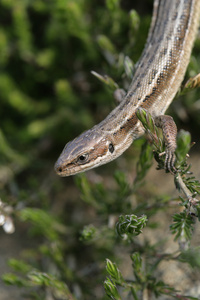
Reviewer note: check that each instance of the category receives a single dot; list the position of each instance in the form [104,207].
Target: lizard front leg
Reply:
[169,129]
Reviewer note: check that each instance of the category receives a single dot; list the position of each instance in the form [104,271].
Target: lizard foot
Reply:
[170,159]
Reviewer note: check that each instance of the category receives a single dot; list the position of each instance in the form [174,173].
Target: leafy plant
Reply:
[71,242]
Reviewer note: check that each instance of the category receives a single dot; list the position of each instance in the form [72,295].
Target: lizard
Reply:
[159,73]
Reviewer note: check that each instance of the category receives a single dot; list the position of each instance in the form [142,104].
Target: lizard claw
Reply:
[170,159]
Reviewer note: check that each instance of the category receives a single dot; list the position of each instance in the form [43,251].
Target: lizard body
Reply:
[157,78]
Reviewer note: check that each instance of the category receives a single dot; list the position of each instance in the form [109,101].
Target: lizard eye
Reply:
[82,158]
[111,148]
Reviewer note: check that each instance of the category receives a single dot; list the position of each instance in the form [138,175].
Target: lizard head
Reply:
[91,149]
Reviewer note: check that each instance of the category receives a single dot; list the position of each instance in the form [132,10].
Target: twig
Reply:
[182,186]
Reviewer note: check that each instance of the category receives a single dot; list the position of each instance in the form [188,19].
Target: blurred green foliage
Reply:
[47,50]
[47,97]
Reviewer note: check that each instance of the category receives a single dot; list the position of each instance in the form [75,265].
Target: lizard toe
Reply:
[169,163]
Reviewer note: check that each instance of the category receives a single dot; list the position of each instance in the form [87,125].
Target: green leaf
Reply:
[88,233]
[130,225]
[182,227]
[150,127]
[106,44]
[121,180]
[192,257]
[114,272]
[137,261]
[111,290]
[144,163]
[135,20]
[43,222]
[106,80]
[183,145]
[112,4]
[43,279]
[12,279]
[19,265]
[129,67]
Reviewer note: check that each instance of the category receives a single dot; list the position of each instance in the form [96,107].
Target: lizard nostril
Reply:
[59,169]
